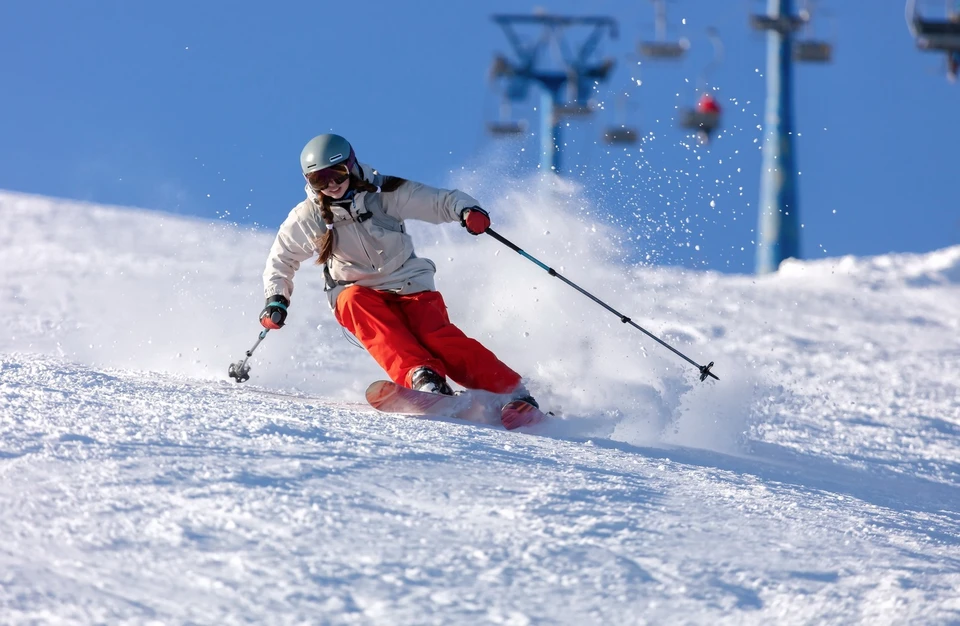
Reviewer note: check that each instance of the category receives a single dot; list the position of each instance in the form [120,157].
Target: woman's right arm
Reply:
[293,245]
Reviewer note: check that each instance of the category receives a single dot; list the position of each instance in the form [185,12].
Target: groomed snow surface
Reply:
[818,482]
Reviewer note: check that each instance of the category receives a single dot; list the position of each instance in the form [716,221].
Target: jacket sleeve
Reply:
[293,245]
[416,201]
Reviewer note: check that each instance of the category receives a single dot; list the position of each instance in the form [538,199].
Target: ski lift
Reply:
[515,89]
[578,103]
[812,51]
[573,110]
[575,106]
[937,35]
[505,127]
[934,34]
[706,115]
[660,48]
[506,130]
[704,118]
[620,134]
[780,23]
[566,90]
[808,49]
[580,81]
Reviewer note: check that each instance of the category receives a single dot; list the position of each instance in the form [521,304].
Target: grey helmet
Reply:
[325,151]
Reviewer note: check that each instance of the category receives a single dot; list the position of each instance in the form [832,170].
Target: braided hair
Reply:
[325,242]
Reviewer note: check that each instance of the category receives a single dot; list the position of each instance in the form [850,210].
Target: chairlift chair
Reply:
[782,24]
[573,109]
[620,136]
[704,122]
[809,49]
[705,116]
[514,89]
[620,133]
[577,104]
[664,49]
[697,120]
[934,34]
[812,51]
[660,47]
[505,127]
[937,35]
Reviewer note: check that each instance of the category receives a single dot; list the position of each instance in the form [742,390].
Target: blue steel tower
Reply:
[779,223]
[564,90]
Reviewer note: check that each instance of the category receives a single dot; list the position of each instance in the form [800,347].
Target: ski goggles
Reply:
[321,179]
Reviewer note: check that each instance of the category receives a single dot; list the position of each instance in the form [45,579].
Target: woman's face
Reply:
[336,191]
[332,182]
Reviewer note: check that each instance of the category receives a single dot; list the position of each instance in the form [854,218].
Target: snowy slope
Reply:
[817,482]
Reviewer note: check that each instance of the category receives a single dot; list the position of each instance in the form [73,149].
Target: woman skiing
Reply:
[378,288]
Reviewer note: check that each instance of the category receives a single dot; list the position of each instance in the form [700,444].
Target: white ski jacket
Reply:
[371,247]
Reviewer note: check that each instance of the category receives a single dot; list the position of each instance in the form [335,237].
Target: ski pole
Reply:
[704,369]
[240,370]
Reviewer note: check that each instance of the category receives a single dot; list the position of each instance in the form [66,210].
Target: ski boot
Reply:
[425,379]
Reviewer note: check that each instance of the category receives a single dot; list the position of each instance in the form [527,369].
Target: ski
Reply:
[473,406]
[518,414]
[389,397]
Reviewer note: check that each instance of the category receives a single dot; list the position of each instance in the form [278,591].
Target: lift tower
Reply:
[564,89]
[779,231]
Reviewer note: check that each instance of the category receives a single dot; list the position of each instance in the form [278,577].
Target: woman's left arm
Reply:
[416,201]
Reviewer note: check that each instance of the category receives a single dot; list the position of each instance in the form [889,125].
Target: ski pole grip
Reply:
[276,317]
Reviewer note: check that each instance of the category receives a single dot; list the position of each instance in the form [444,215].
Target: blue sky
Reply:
[201,108]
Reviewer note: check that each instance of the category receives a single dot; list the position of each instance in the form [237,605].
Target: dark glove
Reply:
[475,220]
[275,313]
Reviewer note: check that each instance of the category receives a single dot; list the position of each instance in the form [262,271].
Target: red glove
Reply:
[274,314]
[475,220]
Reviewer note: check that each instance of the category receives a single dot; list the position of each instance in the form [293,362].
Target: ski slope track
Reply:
[818,482]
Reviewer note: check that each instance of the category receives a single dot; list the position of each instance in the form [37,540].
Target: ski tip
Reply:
[518,414]
[377,390]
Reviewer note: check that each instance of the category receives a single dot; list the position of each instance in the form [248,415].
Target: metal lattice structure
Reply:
[565,87]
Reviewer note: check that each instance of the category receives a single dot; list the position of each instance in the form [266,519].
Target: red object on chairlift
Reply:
[707,104]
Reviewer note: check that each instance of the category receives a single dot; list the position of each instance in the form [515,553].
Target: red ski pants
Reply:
[404,332]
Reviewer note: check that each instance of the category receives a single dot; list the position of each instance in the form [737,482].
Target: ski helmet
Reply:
[325,151]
